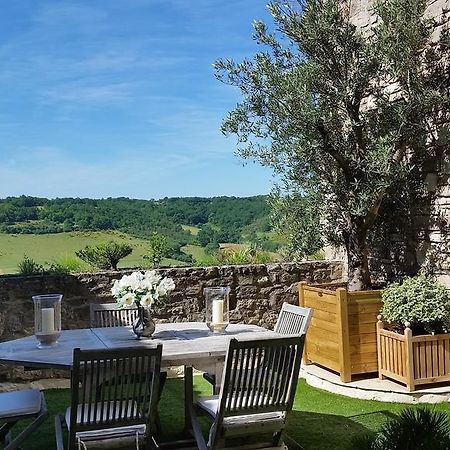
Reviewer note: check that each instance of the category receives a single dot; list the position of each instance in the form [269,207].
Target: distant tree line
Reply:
[220,219]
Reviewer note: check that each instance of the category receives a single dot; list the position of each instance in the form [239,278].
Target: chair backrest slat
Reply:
[260,376]
[293,320]
[108,315]
[114,388]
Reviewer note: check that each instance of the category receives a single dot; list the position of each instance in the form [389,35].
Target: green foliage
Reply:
[415,428]
[29,266]
[158,249]
[315,108]
[105,255]
[420,300]
[222,219]
[68,264]
[296,215]
[245,254]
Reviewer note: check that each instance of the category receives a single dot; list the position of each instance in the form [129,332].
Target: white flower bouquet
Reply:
[143,289]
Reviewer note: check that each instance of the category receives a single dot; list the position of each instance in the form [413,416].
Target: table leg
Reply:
[218,377]
[188,397]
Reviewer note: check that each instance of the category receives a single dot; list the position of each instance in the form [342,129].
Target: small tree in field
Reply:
[105,255]
[343,117]
[158,249]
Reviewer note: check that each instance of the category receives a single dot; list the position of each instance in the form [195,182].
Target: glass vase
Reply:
[217,307]
[47,319]
[144,326]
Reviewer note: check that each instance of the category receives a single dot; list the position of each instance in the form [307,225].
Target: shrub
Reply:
[28,266]
[105,255]
[68,264]
[415,428]
[420,300]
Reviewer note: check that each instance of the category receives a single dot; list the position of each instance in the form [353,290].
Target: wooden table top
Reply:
[182,343]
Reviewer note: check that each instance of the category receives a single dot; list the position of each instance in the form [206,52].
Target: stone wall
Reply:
[257,293]
[429,238]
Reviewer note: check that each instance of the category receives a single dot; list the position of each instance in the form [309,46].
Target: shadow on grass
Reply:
[317,431]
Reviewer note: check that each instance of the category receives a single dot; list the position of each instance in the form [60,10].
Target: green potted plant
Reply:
[422,301]
[412,340]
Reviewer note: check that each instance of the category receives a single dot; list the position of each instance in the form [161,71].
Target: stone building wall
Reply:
[431,234]
[257,293]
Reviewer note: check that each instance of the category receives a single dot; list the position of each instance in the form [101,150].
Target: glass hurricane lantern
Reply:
[47,319]
[217,308]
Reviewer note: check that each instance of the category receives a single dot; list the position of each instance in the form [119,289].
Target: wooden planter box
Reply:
[342,335]
[413,360]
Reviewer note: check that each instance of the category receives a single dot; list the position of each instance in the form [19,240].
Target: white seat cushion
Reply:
[107,433]
[20,403]
[210,405]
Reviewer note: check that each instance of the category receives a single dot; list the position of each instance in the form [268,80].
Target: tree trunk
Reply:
[357,258]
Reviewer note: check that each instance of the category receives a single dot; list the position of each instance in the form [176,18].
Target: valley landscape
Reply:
[49,232]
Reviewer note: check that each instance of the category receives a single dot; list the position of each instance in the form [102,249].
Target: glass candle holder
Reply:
[47,319]
[217,308]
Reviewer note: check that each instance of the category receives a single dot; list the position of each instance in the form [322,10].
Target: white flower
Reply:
[115,290]
[168,284]
[128,299]
[146,301]
[144,288]
[152,277]
[135,281]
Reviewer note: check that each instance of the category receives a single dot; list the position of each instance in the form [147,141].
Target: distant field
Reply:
[46,248]
[193,230]
[196,251]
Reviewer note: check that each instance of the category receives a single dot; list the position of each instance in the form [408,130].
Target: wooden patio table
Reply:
[188,344]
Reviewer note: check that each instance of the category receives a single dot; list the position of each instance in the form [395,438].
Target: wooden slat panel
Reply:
[362,318]
[395,376]
[370,347]
[323,324]
[441,359]
[360,295]
[365,367]
[430,337]
[363,328]
[321,335]
[363,339]
[318,305]
[363,358]
[326,362]
[316,290]
[428,355]
[324,315]
[364,307]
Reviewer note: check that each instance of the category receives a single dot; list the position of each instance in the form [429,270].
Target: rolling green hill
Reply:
[50,248]
[48,230]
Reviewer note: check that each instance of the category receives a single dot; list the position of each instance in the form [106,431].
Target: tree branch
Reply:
[340,159]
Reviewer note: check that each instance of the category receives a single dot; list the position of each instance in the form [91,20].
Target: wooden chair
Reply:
[108,315]
[16,406]
[256,395]
[291,320]
[114,396]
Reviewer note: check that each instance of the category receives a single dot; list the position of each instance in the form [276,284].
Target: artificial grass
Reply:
[319,420]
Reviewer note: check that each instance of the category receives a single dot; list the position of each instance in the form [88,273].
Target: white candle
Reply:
[217,311]
[48,320]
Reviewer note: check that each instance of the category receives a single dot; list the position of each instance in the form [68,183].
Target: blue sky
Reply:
[103,98]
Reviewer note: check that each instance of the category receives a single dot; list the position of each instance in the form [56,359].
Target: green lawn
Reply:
[196,251]
[46,248]
[319,421]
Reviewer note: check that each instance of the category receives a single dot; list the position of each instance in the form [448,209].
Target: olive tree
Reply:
[105,255]
[342,116]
